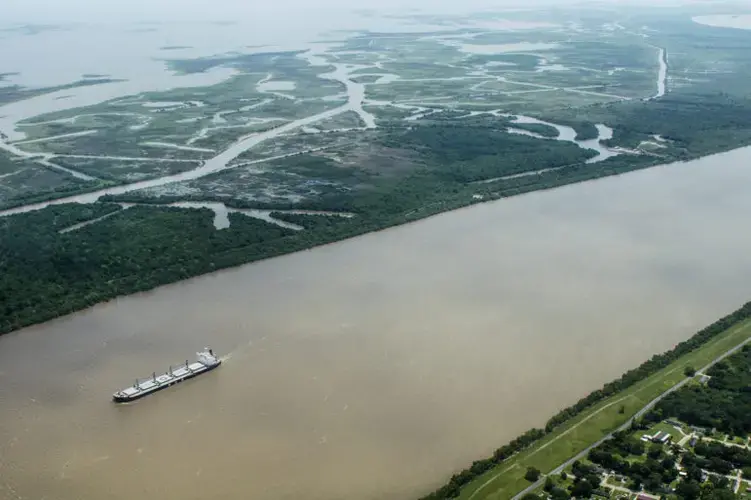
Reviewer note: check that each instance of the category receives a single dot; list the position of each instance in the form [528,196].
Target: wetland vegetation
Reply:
[302,148]
[388,127]
[51,272]
[12,93]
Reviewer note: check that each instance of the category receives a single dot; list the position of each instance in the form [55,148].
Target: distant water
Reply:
[739,21]
[138,53]
[376,367]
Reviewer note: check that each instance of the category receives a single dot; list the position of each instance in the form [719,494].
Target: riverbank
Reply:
[85,289]
[469,162]
[502,476]
[469,318]
[31,276]
[387,157]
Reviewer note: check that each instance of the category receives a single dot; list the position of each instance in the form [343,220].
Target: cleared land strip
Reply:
[553,454]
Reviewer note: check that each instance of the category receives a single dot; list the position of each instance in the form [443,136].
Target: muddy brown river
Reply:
[376,367]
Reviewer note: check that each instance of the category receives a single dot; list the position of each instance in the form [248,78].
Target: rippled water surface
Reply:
[375,367]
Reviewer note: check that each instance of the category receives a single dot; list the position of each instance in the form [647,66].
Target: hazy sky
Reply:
[197,9]
[52,11]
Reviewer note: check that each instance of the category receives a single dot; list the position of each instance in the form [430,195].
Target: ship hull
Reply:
[126,398]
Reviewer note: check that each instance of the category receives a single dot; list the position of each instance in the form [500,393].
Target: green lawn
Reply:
[507,479]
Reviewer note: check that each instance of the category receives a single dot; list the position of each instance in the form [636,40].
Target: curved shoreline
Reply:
[734,21]
[312,303]
[361,229]
[469,324]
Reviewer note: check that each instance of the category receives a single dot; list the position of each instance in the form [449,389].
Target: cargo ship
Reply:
[205,362]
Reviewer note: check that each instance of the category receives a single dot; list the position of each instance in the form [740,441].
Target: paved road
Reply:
[626,425]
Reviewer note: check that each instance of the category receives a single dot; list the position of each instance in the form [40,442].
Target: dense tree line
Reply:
[13,93]
[695,123]
[74,187]
[659,361]
[655,472]
[714,463]
[656,363]
[463,154]
[444,184]
[586,480]
[723,404]
[450,159]
[624,444]
[22,188]
[717,488]
[311,222]
[658,469]
[45,274]
[735,455]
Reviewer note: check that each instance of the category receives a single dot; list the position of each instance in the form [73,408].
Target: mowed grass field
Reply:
[507,479]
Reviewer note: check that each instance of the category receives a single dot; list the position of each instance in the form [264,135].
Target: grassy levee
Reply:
[507,479]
